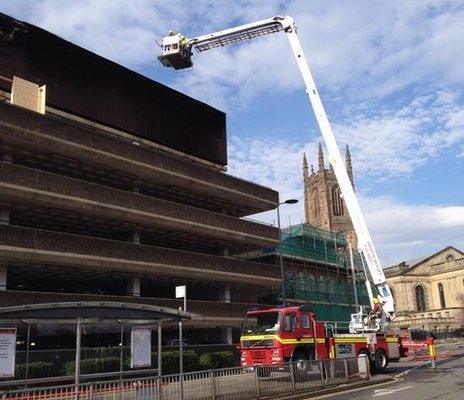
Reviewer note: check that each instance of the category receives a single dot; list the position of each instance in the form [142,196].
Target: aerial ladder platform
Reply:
[177,51]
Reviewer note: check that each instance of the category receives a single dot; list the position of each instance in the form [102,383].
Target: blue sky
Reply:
[390,73]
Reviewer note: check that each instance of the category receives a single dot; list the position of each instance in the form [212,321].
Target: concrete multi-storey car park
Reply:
[96,206]
[119,192]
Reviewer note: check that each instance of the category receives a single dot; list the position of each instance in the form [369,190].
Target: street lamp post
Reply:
[281,263]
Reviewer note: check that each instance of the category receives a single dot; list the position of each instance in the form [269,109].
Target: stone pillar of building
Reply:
[225,294]
[136,189]
[133,286]
[3,276]
[226,334]
[4,216]
[134,237]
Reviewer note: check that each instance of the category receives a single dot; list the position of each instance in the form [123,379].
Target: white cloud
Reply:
[396,141]
[389,144]
[385,144]
[116,29]
[357,49]
[400,231]
[365,48]
[403,230]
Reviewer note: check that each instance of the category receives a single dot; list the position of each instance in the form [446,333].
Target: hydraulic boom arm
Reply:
[177,52]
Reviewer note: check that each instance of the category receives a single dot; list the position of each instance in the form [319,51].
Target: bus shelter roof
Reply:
[91,311]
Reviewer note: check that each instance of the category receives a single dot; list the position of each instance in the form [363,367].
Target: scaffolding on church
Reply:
[318,271]
[308,242]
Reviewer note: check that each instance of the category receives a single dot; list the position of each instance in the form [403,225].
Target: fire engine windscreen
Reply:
[262,323]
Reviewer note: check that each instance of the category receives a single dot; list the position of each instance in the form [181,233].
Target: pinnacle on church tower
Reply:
[349,166]
[305,166]
[321,158]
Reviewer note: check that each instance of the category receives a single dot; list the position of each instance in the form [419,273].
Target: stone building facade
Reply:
[428,291]
[324,205]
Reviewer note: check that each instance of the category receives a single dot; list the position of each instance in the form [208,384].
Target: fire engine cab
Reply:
[277,335]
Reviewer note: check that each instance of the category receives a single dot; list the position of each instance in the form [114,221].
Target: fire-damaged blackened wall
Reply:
[83,83]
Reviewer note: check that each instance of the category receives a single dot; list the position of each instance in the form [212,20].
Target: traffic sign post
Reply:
[181,292]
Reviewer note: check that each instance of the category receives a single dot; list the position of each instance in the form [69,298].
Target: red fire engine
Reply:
[273,336]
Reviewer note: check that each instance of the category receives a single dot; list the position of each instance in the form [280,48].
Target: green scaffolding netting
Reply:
[331,300]
[308,242]
[333,312]
[312,290]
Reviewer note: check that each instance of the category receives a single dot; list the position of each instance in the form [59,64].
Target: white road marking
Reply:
[411,369]
[384,392]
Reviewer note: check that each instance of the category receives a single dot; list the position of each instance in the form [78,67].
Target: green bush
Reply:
[93,365]
[105,352]
[36,370]
[219,359]
[99,363]
[170,361]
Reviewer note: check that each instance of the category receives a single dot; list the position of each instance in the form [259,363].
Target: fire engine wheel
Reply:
[380,361]
[300,363]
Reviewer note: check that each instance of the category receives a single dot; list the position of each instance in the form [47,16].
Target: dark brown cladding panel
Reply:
[32,130]
[83,83]
[26,244]
[31,186]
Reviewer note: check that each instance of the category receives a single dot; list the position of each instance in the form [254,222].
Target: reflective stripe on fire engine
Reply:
[259,337]
[350,340]
[295,341]
[391,340]
[280,340]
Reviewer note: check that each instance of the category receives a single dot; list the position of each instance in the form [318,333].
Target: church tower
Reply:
[324,206]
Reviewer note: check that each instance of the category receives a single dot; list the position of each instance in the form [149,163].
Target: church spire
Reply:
[349,166]
[321,158]
[305,167]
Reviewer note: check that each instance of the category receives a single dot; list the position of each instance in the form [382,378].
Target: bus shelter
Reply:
[139,317]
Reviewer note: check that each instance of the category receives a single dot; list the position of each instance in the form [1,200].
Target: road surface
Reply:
[416,381]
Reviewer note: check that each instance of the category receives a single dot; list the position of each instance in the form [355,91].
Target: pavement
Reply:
[413,379]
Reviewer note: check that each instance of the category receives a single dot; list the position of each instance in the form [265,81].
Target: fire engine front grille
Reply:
[258,356]
[257,343]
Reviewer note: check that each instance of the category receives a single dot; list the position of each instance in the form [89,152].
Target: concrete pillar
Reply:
[134,237]
[4,216]
[133,286]
[227,335]
[3,274]
[225,294]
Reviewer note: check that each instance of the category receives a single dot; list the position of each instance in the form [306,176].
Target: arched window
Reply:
[420,298]
[337,202]
[316,210]
[441,292]
[450,257]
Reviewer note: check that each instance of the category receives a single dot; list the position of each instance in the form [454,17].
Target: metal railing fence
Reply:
[238,383]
